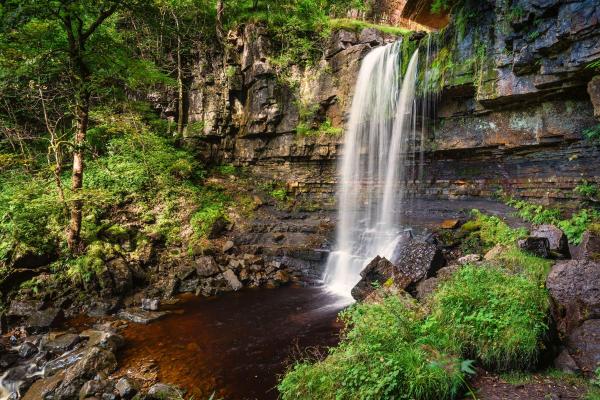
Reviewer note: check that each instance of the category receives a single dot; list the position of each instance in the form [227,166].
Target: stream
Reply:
[236,345]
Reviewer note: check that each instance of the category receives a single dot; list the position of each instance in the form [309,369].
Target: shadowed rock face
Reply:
[573,286]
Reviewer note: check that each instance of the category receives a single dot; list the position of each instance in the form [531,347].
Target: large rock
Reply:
[557,240]
[539,246]
[140,316]
[378,271]
[574,287]
[584,346]
[417,260]
[94,361]
[412,261]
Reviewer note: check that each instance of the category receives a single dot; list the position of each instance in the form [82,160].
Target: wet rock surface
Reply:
[412,262]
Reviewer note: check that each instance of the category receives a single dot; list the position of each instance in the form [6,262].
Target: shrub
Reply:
[492,230]
[491,315]
[379,358]
[30,215]
[573,227]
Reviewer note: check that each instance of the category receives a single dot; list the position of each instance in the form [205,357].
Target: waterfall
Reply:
[372,172]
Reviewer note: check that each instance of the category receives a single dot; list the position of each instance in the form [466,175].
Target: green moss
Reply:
[358,25]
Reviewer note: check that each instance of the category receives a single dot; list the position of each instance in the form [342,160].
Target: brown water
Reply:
[234,345]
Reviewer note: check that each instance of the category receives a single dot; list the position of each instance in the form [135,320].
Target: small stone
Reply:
[125,388]
[150,304]
[494,252]
[228,246]
[469,259]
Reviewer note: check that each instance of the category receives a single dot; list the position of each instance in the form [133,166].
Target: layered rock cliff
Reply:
[511,81]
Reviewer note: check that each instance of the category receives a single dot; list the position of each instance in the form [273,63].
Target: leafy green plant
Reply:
[490,315]
[574,227]
[492,230]
[592,134]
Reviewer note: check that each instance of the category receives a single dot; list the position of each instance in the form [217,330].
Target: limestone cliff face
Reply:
[243,109]
[512,105]
[514,102]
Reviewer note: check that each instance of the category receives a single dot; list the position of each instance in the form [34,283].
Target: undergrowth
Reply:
[573,227]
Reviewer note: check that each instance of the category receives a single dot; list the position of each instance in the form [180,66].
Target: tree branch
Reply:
[101,18]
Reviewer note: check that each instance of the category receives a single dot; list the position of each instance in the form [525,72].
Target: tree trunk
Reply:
[220,31]
[179,81]
[82,117]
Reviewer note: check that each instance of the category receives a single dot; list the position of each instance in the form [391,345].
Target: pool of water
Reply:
[235,345]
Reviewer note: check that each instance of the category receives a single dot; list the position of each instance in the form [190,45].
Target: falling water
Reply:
[372,167]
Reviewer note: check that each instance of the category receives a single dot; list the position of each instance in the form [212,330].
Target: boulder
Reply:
[557,240]
[379,270]
[539,246]
[584,346]
[574,287]
[122,276]
[426,287]
[94,361]
[23,308]
[417,260]
[97,388]
[61,343]
[232,280]
[494,252]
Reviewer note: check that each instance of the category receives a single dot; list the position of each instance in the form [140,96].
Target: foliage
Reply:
[379,357]
[491,315]
[524,264]
[587,189]
[492,230]
[438,6]
[574,227]
[30,215]
[592,134]
[211,208]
